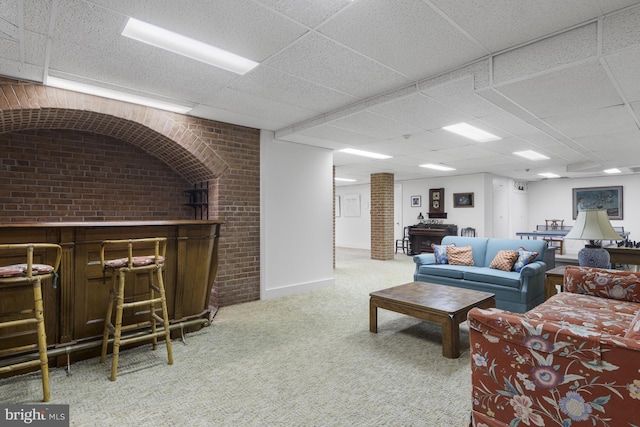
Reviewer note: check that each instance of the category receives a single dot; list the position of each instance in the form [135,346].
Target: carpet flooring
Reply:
[302,360]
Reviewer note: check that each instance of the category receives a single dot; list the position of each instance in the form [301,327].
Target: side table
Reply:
[553,277]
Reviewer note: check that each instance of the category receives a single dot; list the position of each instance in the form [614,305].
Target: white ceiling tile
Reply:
[333,133]
[258,107]
[406,35]
[625,67]
[239,26]
[579,88]
[459,95]
[319,60]
[594,122]
[510,124]
[420,111]
[374,125]
[514,22]
[273,84]
[609,6]
[306,12]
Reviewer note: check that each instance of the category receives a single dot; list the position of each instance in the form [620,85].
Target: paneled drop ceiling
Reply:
[558,77]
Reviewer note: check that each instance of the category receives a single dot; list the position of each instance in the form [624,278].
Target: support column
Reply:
[382,216]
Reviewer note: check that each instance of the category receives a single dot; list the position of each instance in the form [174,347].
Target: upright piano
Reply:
[421,236]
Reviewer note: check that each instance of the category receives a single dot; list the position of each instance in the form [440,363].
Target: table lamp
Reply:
[593,225]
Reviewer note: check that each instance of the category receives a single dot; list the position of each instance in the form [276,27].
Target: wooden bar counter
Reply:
[74,311]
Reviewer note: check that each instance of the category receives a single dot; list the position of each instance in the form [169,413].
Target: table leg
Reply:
[373,316]
[451,339]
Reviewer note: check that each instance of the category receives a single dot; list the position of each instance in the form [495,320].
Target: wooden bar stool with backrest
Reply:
[19,275]
[130,266]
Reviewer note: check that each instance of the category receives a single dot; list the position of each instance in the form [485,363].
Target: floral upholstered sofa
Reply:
[572,361]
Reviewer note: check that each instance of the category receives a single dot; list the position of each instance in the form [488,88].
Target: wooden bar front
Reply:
[74,311]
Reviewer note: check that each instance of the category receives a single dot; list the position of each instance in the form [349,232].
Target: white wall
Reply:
[552,199]
[296,184]
[354,232]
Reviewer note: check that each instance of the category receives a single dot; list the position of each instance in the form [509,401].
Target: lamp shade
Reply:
[593,224]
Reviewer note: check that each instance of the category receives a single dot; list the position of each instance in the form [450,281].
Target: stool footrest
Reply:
[24,348]
[139,303]
[18,366]
[144,337]
[18,322]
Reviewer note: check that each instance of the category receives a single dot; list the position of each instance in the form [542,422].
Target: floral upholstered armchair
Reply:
[572,361]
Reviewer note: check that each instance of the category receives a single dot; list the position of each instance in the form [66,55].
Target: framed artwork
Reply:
[609,198]
[416,201]
[463,200]
[436,200]
[351,205]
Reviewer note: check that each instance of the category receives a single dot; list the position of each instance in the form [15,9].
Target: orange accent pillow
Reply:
[504,260]
[462,255]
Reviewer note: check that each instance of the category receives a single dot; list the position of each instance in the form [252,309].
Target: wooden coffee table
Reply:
[446,305]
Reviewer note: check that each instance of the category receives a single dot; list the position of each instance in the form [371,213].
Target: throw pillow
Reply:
[460,256]
[504,260]
[524,257]
[634,328]
[612,284]
[440,251]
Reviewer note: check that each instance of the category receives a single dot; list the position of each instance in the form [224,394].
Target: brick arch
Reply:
[163,134]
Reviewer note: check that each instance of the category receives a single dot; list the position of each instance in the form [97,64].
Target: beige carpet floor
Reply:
[303,360]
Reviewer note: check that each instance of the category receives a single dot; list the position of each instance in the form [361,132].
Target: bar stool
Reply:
[17,275]
[129,266]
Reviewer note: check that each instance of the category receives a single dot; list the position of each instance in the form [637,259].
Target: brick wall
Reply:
[82,140]
[382,188]
[61,175]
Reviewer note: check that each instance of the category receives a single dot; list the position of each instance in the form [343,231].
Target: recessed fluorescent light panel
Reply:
[186,46]
[549,175]
[437,167]
[365,153]
[344,179]
[614,170]
[471,132]
[530,155]
[114,94]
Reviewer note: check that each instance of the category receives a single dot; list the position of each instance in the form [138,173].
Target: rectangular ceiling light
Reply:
[437,167]
[530,155]
[186,46]
[365,153]
[114,94]
[613,170]
[344,179]
[549,175]
[471,132]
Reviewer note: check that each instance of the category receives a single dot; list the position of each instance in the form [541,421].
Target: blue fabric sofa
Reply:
[514,291]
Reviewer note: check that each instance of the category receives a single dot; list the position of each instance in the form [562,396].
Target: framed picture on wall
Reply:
[351,205]
[463,200]
[416,201]
[609,198]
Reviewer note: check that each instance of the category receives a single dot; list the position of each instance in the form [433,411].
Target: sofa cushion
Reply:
[443,270]
[524,257]
[440,252]
[614,284]
[460,256]
[586,312]
[504,260]
[509,279]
